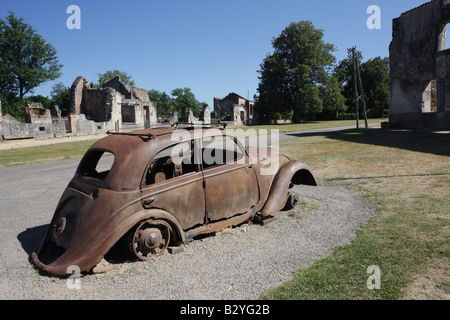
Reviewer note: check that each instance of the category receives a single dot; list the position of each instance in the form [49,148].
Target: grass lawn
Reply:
[54,152]
[407,173]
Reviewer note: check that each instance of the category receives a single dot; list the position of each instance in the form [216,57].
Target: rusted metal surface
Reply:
[161,188]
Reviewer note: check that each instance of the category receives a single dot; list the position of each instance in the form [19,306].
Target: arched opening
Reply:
[446,41]
[443,44]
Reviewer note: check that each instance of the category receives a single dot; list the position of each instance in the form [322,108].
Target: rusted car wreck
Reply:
[156,189]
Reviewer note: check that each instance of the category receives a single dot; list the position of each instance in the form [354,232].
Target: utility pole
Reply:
[359,94]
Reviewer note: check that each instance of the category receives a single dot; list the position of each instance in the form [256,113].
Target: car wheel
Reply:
[150,238]
[292,200]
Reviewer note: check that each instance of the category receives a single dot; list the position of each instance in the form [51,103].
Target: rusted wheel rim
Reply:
[151,239]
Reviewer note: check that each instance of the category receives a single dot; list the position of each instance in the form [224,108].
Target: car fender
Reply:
[87,258]
[294,172]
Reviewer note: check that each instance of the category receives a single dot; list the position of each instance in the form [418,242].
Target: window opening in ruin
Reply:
[171,162]
[128,114]
[429,97]
[97,164]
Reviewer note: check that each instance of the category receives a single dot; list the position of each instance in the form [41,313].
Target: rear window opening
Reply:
[97,164]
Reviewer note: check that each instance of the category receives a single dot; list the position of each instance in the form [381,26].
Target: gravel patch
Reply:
[238,263]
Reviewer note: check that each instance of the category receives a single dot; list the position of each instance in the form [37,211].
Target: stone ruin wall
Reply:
[419,68]
[91,111]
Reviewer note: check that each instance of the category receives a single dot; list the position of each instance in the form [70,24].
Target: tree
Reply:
[295,77]
[344,74]
[181,100]
[26,59]
[332,99]
[375,80]
[110,74]
[184,100]
[162,102]
[61,97]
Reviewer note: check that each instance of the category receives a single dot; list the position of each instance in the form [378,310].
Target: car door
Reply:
[174,182]
[231,185]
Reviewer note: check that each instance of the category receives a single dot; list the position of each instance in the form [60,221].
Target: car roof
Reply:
[133,150]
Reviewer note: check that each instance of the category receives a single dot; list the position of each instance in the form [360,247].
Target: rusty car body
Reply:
[160,188]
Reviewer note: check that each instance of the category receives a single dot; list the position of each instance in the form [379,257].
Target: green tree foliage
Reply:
[26,59]
[296,77]
[344,74]
[110,74]
[183,100]
[61,97]
[162,102]
[375,81]
[179,100]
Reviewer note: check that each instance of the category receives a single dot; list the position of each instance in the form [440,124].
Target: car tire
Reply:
[291,201]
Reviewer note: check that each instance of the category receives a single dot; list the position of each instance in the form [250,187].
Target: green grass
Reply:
[60,151]
[407,174]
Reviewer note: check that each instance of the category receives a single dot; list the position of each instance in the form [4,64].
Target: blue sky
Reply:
[212,47]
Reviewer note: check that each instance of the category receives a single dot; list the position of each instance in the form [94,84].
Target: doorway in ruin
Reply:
[128,114]
[429,97]
[147,116]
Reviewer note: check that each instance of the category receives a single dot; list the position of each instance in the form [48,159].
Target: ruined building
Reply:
[420,68]
[92,111]
[114,106]
[39,123]
[234,108]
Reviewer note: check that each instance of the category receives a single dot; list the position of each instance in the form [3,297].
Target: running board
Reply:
[219,225]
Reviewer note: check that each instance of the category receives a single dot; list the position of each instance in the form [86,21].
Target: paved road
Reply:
[29,195]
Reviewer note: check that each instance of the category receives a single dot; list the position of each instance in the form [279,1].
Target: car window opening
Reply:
[171,163]
[97,164]
[220,150]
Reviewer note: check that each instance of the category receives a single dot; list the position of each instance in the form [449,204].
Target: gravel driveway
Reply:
[237,263]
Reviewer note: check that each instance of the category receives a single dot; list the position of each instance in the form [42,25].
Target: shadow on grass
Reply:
[413,140]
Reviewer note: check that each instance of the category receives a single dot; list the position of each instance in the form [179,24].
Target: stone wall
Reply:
[205,115]
[115,102]
[10,128]
[419,69]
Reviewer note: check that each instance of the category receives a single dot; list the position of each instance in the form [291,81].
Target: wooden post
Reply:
[355,87]
[362,93]
[358,89]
